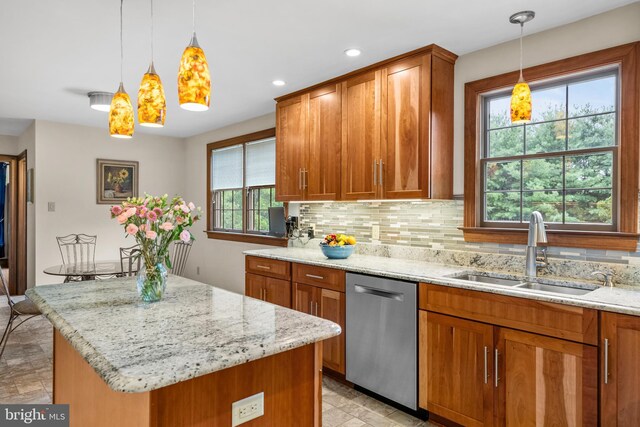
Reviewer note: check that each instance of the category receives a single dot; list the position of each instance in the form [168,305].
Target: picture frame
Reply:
[116,181]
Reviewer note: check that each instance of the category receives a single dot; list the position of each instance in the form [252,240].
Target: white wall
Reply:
[221,262]
[612,28]
[66,174]
[9,145]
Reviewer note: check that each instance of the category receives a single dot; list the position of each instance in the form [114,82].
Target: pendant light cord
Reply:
[121,44]
[194,17]
[521,33]
[152,31]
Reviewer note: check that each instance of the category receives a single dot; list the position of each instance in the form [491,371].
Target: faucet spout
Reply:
[537,235]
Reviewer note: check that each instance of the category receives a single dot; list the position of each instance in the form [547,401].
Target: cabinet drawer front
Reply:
[545,318]
[323,277]
[268,267]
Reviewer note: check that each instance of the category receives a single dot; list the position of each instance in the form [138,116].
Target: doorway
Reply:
[13,221]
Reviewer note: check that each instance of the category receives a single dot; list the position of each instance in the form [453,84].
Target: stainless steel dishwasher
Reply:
[381,334]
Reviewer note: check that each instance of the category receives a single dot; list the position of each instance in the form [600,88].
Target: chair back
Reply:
[77,249]
[5,288]
[130,259]
[180,255]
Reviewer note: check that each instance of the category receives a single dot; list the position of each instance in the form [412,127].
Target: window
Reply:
[577,162]
[563,163]
[242,187]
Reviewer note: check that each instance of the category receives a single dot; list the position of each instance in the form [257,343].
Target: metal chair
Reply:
[25,307]
[77,249]
[128,258]
[180,255]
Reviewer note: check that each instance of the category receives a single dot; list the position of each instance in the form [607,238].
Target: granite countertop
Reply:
[617,300]
[195,330]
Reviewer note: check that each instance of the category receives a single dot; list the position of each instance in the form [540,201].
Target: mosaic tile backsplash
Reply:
[430,224]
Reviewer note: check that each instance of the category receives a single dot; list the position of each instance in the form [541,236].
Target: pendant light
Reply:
[152,106]
[121,111]
[521,95]
[194,81]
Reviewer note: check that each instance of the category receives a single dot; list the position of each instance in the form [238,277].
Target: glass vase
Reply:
[151,283]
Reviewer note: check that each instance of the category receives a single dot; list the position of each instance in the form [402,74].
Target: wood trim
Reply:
[21,223]
[15,288]
[626,56]
[433,49]
[237,140]
[259,239]
[627,242]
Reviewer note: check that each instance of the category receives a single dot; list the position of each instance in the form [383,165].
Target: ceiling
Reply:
[53,52]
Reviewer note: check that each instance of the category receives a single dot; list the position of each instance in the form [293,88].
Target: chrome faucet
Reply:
[537,235]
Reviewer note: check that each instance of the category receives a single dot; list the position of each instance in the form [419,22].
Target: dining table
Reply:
[87,270]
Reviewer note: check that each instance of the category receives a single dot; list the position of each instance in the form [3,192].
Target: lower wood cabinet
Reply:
[456,368]
[269,289]
[620,370]
[330,305]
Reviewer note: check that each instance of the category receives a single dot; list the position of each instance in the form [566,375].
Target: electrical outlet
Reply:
[247,409]
[375,232]
[198,270]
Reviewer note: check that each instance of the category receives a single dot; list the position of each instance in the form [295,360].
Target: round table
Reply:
[86,271]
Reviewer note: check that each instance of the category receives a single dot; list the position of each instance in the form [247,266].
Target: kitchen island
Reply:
[182,361]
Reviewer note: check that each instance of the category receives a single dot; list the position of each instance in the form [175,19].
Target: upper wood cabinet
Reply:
[291,148]
[619,370]
[389,137]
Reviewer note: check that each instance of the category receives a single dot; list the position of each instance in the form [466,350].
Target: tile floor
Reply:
[26,377]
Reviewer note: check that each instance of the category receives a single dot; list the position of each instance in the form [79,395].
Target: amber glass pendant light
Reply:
[194,81]
[121,111]
[521,95]
[152,106]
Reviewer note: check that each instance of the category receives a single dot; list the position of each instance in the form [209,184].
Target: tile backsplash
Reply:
[427,224]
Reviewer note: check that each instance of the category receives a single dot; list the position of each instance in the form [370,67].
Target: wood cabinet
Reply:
[319,291]
[456,369]
[545,381]
[386,132]
[619,370]
[275,291]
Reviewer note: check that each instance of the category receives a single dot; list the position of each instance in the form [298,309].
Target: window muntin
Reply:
[563,163]
[243,187]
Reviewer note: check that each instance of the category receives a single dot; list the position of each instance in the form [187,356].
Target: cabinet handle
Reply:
[264,267]
[606,361]
[265,294]
[375,167]
[313,276]
[381,173]
[486,369]
[262,294]
[495,367]
[300,179]
[304,178]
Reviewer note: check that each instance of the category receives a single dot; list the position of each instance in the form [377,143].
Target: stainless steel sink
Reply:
[488,279]
[556,289]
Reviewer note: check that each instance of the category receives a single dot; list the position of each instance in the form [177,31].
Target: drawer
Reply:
[540,317]
[323,277]
[268,267]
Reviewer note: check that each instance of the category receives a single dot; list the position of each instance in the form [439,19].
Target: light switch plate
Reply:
[247,409]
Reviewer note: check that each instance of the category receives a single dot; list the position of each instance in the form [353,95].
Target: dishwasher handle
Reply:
[398,296]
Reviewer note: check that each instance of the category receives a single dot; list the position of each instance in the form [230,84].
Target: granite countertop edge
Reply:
[603,301]
[133,384]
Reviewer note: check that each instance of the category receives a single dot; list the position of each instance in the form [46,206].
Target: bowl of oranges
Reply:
[338,246]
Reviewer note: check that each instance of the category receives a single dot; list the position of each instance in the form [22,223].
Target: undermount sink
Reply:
[488,279]
[522,284]
[556,289]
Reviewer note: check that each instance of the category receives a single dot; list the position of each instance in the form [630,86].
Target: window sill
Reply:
[247,238]
[605,240]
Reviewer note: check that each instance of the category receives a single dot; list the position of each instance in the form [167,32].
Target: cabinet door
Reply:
[455,369]
[360,136]
[254,285]
[325,130]
[291,143]
[545,381]
[304,298]
[332,307]
[405,132]
[277,291]
[620,370]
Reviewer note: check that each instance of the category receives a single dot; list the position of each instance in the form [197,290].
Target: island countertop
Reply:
[195,330]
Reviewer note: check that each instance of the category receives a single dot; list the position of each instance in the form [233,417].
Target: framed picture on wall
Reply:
[117,180]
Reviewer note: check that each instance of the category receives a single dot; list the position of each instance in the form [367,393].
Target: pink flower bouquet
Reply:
[155,222]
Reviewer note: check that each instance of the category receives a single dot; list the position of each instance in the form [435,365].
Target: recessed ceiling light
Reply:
[278,83]
[352,52]
[100,101]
